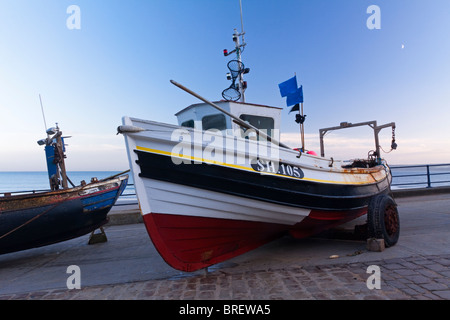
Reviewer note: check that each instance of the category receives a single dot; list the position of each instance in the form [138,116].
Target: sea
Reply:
[403,177]
[25,181]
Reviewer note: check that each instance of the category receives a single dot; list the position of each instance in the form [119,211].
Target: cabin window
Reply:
[188,124]
[215,121]
[262,123]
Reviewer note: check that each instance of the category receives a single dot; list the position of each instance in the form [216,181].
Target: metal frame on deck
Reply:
[372,124]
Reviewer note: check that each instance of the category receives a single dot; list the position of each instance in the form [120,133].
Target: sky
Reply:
[121,58]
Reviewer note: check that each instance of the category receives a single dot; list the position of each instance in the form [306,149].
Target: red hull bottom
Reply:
[319,221]
[189,243]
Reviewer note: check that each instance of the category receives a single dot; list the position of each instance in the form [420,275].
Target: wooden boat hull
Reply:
[201,211]
[35,220]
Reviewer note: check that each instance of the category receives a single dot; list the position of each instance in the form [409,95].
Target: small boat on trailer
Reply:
[220,183]
[34,219]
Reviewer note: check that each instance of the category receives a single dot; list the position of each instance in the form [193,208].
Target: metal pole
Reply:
[303,131]
[322,146]
[62,165]
[376,130]
[238,51]
[239,58]
[43,115]
[242,22]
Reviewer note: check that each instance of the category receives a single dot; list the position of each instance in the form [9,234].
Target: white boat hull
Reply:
[206,197]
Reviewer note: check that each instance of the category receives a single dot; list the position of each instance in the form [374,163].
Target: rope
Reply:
[385,151]
[29,221]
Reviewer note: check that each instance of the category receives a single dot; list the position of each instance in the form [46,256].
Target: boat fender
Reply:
[129,129]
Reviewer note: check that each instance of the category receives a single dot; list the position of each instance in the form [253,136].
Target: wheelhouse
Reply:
[204,117]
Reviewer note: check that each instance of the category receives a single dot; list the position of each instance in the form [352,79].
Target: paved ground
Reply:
[128,267]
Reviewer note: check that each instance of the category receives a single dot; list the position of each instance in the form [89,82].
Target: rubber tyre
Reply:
[383,220]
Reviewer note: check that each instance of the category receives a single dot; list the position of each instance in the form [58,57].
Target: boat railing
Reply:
[417,176]
[127,197]
[10,193]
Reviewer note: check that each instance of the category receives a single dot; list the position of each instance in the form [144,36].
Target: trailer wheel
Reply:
[383,220]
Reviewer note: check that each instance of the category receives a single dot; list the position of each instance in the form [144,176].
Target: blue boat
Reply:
[35,219]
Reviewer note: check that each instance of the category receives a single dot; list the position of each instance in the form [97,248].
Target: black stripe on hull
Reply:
[274,189]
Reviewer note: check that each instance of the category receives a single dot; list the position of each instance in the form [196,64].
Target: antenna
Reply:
[43,115]
[242,22]
[237,89]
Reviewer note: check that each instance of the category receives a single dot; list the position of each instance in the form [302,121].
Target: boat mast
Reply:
[43,115]
[60,151]
[239,54]
[237,90]
[239,58]
[54,153]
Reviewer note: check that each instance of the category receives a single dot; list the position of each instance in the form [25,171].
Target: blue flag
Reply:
[295,97]
[290,90]
[288,87]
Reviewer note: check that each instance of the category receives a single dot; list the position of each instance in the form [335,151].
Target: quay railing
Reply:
[128,193]
[416,176]
[403,177]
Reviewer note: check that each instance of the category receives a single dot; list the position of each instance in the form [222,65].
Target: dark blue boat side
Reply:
[39,219]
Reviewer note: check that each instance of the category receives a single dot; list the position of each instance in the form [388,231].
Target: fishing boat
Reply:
[34,219]
[220,183]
